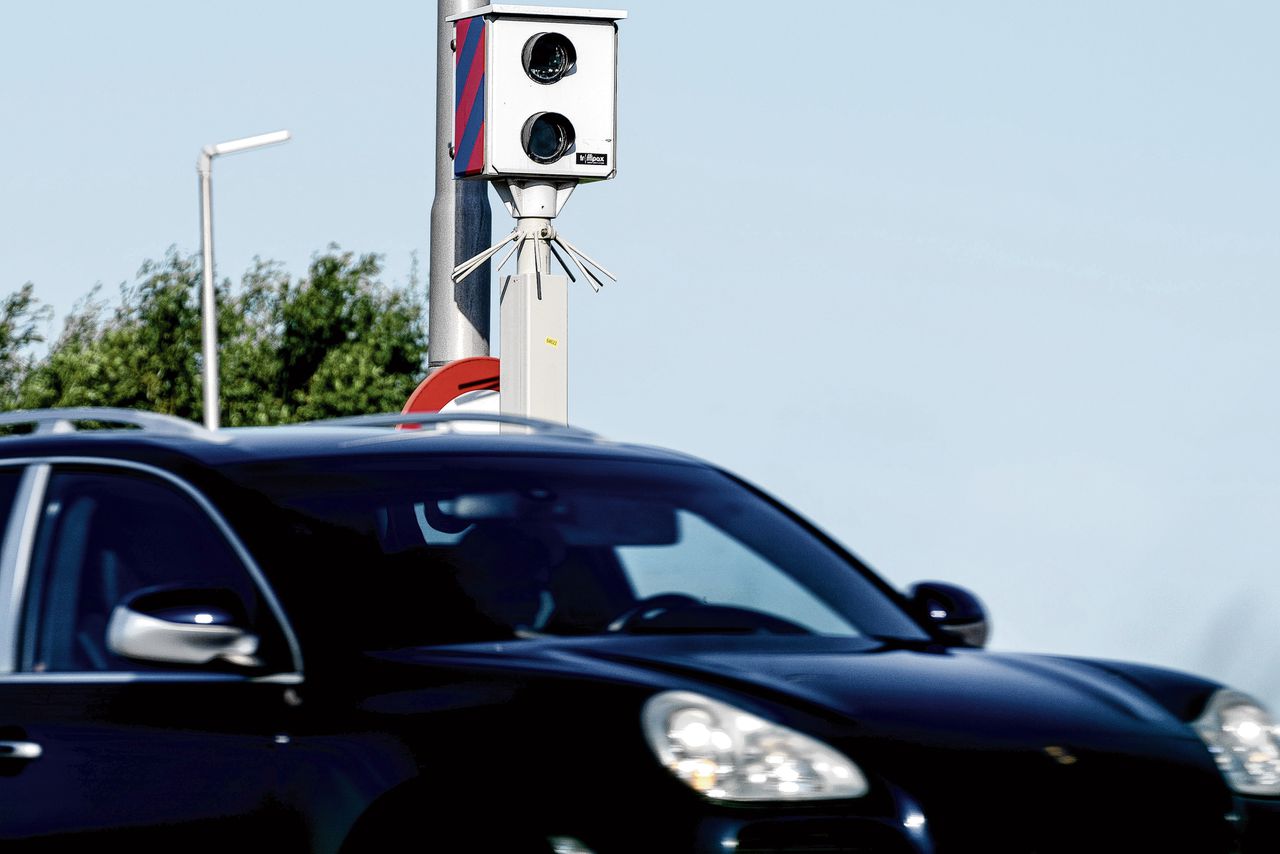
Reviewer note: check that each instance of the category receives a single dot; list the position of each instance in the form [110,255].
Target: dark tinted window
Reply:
[415,551]
[9,479]
[104,536]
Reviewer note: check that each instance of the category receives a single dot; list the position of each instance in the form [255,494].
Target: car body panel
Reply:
[338,746]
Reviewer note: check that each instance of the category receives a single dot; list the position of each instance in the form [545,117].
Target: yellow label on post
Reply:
[553,342]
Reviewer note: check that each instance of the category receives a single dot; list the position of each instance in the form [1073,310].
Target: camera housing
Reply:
[536,93]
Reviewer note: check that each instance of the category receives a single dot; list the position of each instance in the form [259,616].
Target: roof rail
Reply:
[444,421]
[67,419]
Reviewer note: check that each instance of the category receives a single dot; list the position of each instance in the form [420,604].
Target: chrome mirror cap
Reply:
[135,635]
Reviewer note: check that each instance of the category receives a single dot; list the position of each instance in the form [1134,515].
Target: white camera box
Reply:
[536,93]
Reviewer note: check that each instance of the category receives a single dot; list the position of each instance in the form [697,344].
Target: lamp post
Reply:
[207,309]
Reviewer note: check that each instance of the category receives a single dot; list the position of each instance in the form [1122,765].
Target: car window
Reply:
[104,535]
[9,480]
[410,552]
[743,578]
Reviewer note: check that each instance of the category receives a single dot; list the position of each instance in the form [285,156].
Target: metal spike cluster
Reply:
[518,236]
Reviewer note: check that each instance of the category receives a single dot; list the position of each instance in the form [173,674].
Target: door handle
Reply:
[20,750]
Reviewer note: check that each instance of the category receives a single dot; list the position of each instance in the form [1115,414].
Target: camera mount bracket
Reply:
[534,204]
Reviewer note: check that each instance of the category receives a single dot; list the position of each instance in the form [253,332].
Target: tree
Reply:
[20,319]
[337,342]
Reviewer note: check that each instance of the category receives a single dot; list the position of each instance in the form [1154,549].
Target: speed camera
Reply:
[536,93]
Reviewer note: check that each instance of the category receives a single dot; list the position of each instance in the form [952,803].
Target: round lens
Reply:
[548,57]
[547,137]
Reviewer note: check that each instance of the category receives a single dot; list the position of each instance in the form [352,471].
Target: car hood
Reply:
[877,686]
[1024,751]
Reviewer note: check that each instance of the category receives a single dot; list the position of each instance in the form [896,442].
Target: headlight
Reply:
[732,755]
[1244,741]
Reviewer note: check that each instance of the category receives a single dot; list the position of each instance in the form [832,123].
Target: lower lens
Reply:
[547,137]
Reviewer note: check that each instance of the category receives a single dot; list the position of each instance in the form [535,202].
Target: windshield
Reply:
[426,551]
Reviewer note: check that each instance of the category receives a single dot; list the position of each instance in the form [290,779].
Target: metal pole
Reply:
[461,223]
[534,323]
[208,313]
[208,308]
[535,253]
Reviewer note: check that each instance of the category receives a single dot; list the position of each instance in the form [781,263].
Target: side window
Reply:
[10,477]
[103,536]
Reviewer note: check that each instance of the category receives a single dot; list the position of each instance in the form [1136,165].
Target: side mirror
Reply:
[182,625]
[953,609]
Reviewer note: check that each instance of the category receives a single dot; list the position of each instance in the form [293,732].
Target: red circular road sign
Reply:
[451,380]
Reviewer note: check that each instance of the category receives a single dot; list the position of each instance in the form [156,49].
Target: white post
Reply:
[208,318]
[534,320]
[208,307]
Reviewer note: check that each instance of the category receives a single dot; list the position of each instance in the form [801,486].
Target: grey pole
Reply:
[461,223]
[209,321]
[208,308]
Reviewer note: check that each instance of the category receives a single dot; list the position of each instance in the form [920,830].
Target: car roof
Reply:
[138,435]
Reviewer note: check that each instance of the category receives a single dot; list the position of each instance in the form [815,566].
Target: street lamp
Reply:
[208,311]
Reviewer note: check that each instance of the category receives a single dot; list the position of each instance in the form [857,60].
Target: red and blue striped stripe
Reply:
[468,105]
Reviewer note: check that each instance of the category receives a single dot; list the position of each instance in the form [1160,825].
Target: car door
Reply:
[93,744]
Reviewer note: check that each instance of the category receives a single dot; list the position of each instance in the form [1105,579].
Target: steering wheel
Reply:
[650,604]
[651,613]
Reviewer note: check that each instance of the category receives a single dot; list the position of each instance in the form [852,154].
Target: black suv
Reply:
[478,633]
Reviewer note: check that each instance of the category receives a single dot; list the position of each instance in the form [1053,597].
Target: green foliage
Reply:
[20,319]
[337,342]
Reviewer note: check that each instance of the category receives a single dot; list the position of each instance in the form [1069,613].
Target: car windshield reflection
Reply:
[567,547]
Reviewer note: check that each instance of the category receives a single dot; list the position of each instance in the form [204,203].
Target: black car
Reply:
[484,634]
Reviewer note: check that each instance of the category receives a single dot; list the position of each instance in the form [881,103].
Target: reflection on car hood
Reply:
[885,688]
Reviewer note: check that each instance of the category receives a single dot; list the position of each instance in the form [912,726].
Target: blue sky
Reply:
[989,290]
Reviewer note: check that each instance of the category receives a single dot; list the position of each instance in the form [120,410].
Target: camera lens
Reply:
[547,137]
[548,57]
